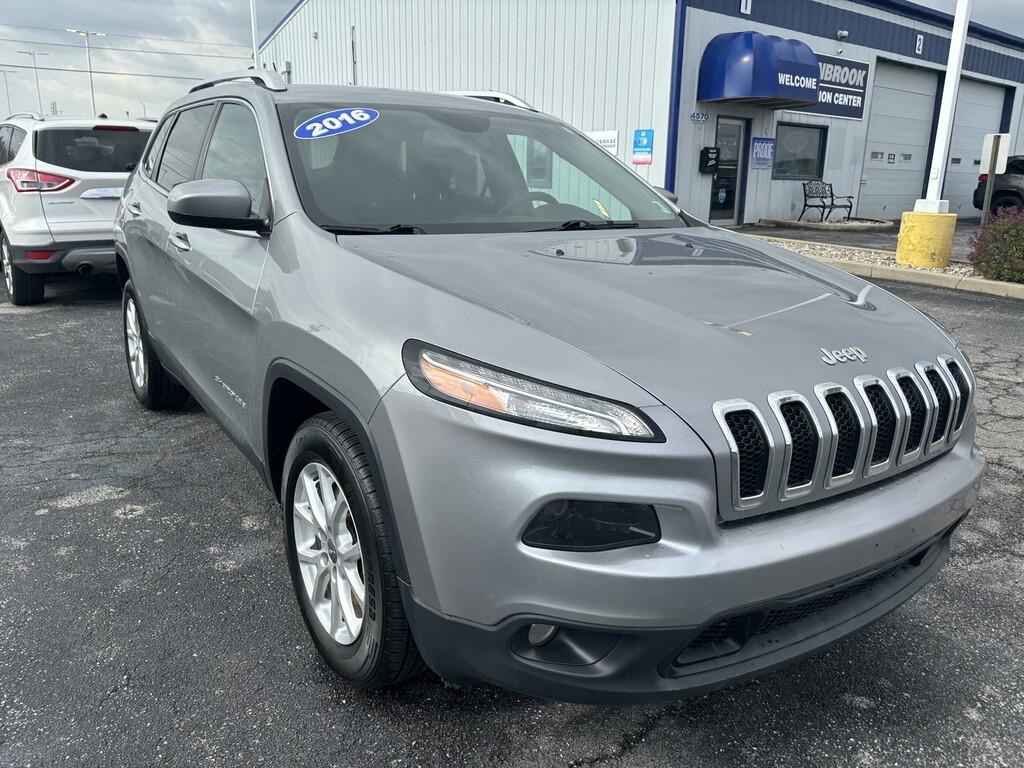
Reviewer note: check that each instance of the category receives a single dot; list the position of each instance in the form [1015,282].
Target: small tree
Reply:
[997,250]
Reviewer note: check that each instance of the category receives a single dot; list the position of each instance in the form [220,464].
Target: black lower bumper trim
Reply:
[617,665]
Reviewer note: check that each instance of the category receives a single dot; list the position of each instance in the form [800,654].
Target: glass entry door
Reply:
[728,179]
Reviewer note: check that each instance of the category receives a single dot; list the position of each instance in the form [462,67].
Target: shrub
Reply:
[997,250]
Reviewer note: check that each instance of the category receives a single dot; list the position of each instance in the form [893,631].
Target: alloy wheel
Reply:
[329,553]
[8,268]
[133,337]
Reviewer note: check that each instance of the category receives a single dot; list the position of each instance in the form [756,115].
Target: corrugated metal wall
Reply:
[597,64]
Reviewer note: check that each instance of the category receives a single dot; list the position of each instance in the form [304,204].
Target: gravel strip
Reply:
[862,255]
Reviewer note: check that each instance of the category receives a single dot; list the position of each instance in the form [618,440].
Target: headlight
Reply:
[475,386]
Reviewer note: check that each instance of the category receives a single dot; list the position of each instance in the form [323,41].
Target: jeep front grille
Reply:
[839,438]
[963,389]
[753,452]
[918,412]
[944,399]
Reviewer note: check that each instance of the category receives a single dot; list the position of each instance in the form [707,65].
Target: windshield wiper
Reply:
[397,229]
[585,224]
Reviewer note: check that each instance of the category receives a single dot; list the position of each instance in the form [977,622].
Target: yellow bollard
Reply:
[926,240]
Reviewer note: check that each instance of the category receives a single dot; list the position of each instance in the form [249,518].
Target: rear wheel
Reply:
[23,288]
[152,385]
[340,558]
[1003,204]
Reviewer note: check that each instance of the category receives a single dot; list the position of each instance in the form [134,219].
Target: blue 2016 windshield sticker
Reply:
[336,121]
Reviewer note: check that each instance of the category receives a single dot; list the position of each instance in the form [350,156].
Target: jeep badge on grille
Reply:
[847,355]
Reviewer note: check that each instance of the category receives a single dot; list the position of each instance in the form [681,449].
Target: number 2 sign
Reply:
[336,121]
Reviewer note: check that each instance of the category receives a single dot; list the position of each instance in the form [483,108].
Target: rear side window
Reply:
[101,150]
[154,149]
[181,151]
[17,138]
[5,143]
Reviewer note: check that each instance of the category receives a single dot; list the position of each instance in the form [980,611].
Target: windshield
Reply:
[378,168]
[113,149]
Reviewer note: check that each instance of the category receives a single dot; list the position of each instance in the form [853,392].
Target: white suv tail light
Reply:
[26,180]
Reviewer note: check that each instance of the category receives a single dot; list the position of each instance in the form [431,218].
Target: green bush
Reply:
[997,251]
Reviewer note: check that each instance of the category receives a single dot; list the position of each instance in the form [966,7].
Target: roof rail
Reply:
[498,97]
[262,77]
[33,115]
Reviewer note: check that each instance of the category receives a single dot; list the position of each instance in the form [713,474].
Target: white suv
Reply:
[60,182]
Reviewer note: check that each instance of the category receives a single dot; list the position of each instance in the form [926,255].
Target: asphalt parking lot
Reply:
[146,616]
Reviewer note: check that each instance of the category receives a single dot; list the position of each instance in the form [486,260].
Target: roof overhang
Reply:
[756,69]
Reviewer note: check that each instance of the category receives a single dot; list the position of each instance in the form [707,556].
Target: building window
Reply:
[799,151]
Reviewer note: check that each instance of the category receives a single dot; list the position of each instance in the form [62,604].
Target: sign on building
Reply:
[762,153]
[608,140]
[643,146]
[842,88]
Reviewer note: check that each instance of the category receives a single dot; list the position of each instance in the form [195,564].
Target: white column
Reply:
[944,130]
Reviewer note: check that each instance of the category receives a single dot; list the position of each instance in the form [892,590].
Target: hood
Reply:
[691,315]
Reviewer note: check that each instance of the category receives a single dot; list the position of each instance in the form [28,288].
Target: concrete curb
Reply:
[860,226]
[932,279]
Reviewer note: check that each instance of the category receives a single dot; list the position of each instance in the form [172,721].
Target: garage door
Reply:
[979,110]
[899,130]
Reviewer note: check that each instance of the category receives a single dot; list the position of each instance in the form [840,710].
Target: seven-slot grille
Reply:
[888,422]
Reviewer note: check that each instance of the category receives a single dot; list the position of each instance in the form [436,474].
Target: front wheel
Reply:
[152,385]
[23,288]
[340,558]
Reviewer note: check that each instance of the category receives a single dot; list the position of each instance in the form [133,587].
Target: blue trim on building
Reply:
[1005,120]
[814,18]
[281,23]
[675,96]
[943,19]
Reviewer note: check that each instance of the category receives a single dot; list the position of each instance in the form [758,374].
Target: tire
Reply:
[1006,203]
[376,648]
[23,288]
[152,385]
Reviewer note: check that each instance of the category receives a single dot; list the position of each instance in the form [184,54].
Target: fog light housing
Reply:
[592,526]
[541,634]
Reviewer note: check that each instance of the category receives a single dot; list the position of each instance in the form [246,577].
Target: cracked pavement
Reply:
[146,616]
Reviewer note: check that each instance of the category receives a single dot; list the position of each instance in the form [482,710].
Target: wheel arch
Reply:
[293,394]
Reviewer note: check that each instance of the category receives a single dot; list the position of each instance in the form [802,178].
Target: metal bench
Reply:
[818,195]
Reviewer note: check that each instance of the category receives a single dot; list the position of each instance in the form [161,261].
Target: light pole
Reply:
[144,115]
[252,25]
[933,202]
[35,68]
[87,33]
[927,232]
[7,87]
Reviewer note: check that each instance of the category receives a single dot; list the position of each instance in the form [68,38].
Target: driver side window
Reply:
[546,171]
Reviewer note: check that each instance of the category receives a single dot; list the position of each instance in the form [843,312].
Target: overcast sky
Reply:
[179,39]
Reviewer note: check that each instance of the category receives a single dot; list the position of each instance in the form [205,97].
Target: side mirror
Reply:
[214,204]
[672,197]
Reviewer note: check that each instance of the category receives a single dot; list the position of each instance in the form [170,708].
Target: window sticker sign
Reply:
[335,122]
[842,88]
[643,146]
[762,153]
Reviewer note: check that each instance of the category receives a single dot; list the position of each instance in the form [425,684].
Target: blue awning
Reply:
[764,70]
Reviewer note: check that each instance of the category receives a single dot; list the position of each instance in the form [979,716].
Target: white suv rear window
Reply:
[111,149]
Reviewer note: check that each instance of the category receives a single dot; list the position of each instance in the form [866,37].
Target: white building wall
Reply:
[769,198]
[598,65]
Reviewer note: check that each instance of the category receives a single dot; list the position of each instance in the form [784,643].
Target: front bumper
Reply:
[463,487]
[93,256]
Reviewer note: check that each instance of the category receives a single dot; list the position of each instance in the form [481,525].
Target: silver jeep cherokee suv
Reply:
[528,422]
[60,180]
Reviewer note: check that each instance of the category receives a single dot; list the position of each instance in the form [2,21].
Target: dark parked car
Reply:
[1009,187]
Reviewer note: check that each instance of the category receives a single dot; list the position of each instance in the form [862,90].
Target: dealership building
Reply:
[733,104]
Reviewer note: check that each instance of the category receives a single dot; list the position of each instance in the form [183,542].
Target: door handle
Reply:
[134,209]
[180,241]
